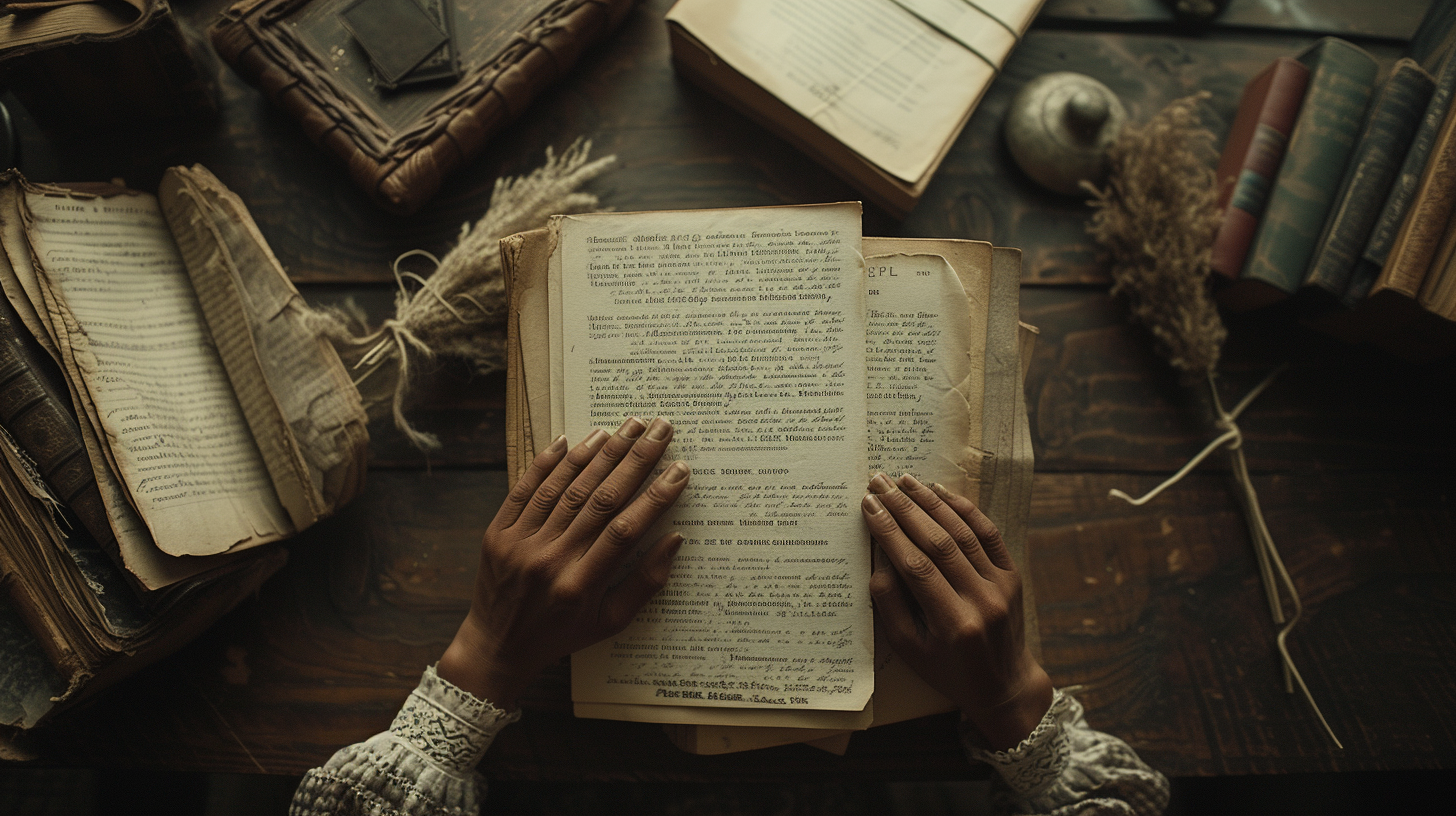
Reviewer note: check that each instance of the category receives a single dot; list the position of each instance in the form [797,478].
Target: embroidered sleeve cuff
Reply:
[1039,759]
[449,725]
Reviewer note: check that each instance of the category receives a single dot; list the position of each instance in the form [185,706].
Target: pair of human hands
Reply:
[945,589]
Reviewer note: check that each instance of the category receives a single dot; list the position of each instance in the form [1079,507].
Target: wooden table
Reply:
[1155,612]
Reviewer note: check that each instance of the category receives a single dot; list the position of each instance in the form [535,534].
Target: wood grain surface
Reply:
[1155,612]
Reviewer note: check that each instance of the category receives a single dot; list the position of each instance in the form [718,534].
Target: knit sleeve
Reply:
[423,765]
[1065,767]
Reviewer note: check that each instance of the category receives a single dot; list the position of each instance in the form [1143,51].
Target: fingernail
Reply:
[658,430]
[939,488]
[674,546]
[909,482]
[880,484]
[596,439]
[676,473]
[558,445]
[632,428]
[871,504]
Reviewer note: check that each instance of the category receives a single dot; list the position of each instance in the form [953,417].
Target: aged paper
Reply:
[871,74]
[745,328]
[920,383]
[171,422]
[988,28]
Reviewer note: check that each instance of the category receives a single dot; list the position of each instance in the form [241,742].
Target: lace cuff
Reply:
[1036,761]
[449,725]
[1065,766]
[423,765]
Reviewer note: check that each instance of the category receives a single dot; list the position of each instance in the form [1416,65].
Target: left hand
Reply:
[543,589]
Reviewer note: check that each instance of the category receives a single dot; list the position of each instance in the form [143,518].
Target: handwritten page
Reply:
[745,328]
[171,420]
[920,383]
[870,73]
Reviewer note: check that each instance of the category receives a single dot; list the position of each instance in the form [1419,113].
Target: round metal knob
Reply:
[1059,127]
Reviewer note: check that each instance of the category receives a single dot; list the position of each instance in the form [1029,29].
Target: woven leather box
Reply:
[399,146]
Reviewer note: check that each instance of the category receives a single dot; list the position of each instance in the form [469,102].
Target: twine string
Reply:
[1272,571]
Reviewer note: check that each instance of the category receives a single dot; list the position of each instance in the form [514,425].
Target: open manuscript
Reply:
[794,358]
[158,338]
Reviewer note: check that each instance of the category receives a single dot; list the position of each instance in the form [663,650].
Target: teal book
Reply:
[1394,116]
[1341,80]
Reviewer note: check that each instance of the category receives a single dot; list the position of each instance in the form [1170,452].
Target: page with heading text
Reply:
[745,328]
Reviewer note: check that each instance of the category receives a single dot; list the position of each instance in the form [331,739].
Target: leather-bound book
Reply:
[1341,80]
[400,145]
[1426,223]
[35,411]
[1251,156]
[1394,116]
[81,64]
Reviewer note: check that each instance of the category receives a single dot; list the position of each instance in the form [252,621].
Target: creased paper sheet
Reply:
[743,327]
[170,419]
[871,74]
[921,388]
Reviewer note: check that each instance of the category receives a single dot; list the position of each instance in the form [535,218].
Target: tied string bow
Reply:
[1271,566]
[395,337]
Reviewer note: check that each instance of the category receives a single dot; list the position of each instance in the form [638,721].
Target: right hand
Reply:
[543,588]
[949,598]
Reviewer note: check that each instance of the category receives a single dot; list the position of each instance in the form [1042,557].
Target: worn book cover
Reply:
[400,145]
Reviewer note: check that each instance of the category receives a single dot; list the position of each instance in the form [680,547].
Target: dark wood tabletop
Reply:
[1155,613]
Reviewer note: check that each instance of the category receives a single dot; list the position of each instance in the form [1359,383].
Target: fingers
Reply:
[986,532]
[598,495]
[520,495]
[893,604]
[621,604]
[921,576]
[950,521]
[945,547]
[619,536]
[576,495]
[544,498]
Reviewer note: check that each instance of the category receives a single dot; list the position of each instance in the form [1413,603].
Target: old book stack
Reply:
[875,90]
[1338,187]
[794,359]
[164,414]
[403,94]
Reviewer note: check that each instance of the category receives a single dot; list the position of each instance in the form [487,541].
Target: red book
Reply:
[1251,158]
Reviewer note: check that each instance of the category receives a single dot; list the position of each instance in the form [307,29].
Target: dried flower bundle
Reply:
[460,310]
[1156,220]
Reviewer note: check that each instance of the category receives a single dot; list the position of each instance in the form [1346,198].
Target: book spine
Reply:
[1425,223]
[1251,156]
[32,410]
[1341,78]
[1394,117]
[1403,188]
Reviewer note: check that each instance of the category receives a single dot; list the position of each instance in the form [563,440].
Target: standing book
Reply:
[1341,79]
[1395,114]
[1251,157]
[172,351]
[790,372]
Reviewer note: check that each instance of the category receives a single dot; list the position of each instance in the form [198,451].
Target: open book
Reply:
[175,411]
[875,90]
[793,358]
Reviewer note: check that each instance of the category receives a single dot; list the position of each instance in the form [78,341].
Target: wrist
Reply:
[1006,724]
[471,663]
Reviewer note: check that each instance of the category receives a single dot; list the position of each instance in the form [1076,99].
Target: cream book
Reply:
[794,358]
[875,90]
[162,341]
